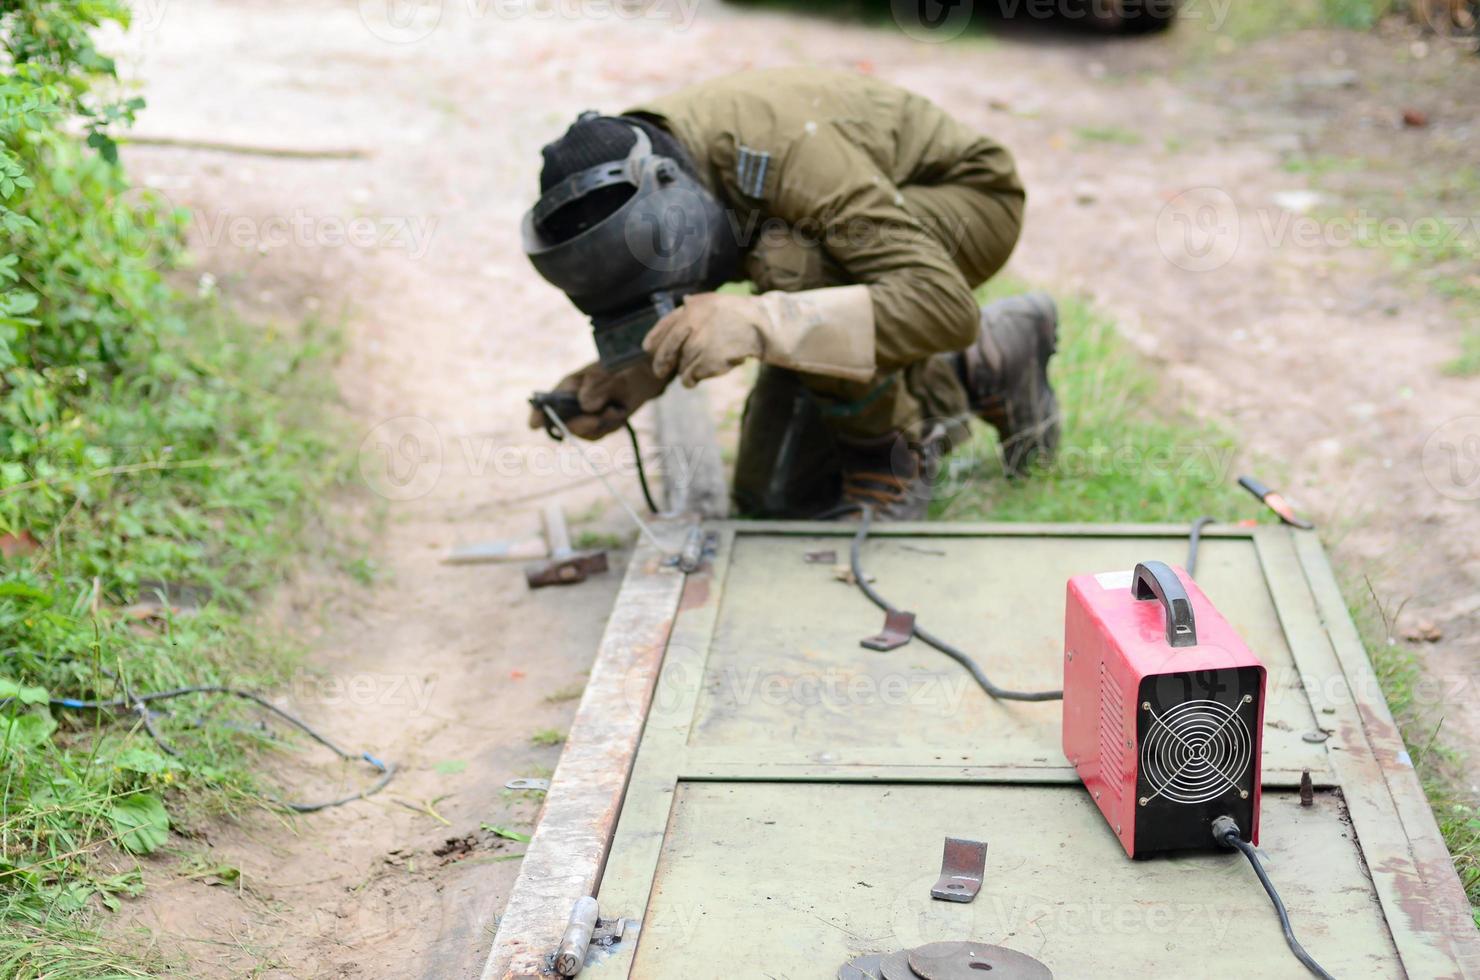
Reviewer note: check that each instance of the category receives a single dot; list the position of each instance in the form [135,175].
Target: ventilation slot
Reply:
[1112,735]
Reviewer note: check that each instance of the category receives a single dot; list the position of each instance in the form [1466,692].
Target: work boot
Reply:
[1006,377]
[890,474]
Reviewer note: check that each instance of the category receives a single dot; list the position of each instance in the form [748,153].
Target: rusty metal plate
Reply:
[972,961]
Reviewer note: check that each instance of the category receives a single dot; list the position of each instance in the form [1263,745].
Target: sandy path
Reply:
[447,329]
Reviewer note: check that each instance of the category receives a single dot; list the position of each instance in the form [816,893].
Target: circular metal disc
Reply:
[974,961]
[896,966]
[863,968]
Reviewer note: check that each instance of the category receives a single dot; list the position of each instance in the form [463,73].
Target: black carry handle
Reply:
[1156,580]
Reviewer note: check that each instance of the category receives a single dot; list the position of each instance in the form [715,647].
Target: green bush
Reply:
[156,459]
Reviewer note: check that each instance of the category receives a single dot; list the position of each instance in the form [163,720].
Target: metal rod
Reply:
[571,955]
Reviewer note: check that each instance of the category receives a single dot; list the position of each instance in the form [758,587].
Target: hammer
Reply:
[566,566]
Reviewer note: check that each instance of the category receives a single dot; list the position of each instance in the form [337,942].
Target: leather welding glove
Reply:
[816,331]
[608,398]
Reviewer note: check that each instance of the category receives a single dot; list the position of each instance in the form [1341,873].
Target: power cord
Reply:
[1226,832]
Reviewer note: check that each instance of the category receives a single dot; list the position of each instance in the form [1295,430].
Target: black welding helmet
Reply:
[627,236]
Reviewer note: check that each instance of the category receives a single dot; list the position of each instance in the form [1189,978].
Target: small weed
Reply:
[601,541]
[547,737]
[570,692]
[1108,134]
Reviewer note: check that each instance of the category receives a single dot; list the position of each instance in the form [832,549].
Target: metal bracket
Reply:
[899,628]
[962,868]
[525,782]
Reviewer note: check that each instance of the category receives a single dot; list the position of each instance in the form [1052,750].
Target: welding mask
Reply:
[628,238]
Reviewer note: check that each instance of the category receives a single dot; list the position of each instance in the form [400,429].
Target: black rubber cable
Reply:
[137,704]
[1194,542]
[855,558]
[647,494]
[1233,839]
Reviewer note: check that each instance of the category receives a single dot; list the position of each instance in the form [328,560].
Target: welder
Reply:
[863,216]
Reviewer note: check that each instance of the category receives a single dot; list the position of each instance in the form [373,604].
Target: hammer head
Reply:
[568,569]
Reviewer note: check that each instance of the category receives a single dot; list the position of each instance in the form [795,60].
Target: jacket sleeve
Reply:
[829,189]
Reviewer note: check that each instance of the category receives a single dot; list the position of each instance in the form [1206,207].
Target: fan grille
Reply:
[1195,751]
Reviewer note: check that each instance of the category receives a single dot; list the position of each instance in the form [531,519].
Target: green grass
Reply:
[1468,361]
[205,465]
[1440,768]
[1126,454]
[1251,20]
[570,692]
[547,737]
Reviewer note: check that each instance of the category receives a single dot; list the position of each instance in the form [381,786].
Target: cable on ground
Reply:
[1228,834]
[138,704]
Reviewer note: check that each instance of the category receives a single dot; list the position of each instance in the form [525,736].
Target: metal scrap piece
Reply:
[896,966]
[862,968]
[972,961]
[899,628]
[527,782]
[962,868]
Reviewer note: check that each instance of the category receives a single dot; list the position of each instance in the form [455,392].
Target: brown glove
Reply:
[607,399]
[818,331]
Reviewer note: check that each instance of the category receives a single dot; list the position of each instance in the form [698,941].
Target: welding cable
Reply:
[855,559]
[1194,542]
[1230,837]
[138,704]
[647,494]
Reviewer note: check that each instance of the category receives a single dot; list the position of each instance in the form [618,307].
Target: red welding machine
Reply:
[1163,708]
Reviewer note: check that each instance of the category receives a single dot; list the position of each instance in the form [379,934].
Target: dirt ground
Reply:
[1313,353]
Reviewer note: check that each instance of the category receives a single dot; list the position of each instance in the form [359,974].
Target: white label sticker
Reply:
[1114,580]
